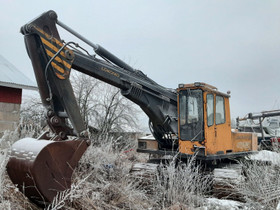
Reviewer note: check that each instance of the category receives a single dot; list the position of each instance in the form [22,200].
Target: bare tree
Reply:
[85,90]
[103,107]
[115,113]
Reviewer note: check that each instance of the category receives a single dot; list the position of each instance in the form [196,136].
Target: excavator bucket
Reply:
[42,168]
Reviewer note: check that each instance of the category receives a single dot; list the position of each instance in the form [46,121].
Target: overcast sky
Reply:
[231,44]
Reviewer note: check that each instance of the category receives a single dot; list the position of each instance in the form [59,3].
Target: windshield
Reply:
[191,115]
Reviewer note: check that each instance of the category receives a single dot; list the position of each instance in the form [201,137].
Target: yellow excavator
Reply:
[192,119]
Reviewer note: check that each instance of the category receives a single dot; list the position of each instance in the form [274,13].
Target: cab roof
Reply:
[203,86]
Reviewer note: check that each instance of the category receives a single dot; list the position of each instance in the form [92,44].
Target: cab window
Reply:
[192,109]
[220,110]
[183,109]
[191,115]
[210,109]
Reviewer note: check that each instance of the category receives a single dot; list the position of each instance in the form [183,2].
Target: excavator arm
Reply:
[52,69]
[43,167]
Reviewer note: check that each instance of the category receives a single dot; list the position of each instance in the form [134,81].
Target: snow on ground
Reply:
[266,155]
[221,204]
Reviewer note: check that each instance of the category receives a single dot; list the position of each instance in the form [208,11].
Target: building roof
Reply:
[10,76]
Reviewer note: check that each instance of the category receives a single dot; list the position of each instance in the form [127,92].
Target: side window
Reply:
[220,110]
[210,109]
[183,109]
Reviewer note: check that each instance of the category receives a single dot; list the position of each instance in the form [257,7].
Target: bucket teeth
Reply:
[42,168]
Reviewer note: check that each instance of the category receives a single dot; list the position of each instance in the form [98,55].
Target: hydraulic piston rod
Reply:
[97,48]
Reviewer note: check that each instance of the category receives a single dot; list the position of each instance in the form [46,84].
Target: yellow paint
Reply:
[61,70]
[54,44]
[219,139]
[59,76]
[55,49]
[58,59]
[57,42]
[110,71]
[48,36]
[242,141]
[42,32]
[218,135]
[188,147]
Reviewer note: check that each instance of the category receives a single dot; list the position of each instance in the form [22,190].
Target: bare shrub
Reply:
[119,141]
[181,183]
[8,139]
[3,162]
[75,192]
[32,118]
[102,181]
[24,129]
[10,196]
[275,144]
[261,186]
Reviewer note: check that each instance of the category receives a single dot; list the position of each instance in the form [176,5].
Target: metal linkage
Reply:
[67,28]
[99,50]
[260,116]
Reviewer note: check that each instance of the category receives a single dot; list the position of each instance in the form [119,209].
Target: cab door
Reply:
[210,129]
[222,125]
[216,126]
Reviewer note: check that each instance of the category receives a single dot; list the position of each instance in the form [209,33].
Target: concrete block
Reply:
[9,107]
[8,125]
[9,116]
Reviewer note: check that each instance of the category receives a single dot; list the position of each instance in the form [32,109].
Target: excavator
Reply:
[193,119]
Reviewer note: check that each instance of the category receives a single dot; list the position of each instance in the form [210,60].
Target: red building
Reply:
[12,81]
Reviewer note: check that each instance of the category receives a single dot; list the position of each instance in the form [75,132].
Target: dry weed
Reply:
[181,183]
[261,187]
[102,181]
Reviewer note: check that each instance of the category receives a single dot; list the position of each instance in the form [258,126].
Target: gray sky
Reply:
[231,44]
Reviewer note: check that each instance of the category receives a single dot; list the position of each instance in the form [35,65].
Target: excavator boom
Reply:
[52,61]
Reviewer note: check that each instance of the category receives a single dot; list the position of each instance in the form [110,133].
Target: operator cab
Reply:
[191,110]
[204,119]
[204,126]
